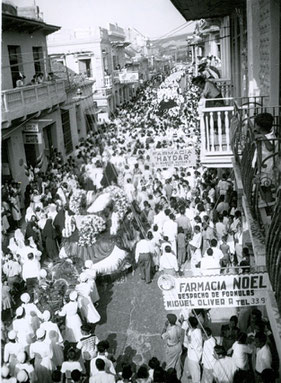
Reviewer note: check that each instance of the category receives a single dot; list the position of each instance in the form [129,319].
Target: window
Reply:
[15,62]
[38,59]
[85,67]
[66,128]
[90,122]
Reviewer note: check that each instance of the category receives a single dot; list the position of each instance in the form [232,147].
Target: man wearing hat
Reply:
[172,334]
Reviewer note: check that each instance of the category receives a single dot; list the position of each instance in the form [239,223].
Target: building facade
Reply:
[98,54]
[37,115]
[250,48]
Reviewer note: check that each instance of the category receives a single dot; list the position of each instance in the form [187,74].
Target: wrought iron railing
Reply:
[259,165]
[225,87]
[273,250]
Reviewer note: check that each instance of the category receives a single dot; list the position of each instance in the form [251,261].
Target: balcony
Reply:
[215,133]
[116,79]
[215,126]
[108,81]
[23,101]
[260,175]
[225,87]
[259,166]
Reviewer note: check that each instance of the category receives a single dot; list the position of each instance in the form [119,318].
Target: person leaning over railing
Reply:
[263,134]
[209,91]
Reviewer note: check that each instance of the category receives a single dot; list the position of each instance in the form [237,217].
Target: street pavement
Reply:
[132,318]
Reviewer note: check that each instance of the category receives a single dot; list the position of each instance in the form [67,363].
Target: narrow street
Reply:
[133,316]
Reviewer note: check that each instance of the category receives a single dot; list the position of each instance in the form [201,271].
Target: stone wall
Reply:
[269,49]
[264,48]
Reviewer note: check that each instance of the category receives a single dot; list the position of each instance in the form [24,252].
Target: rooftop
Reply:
[12,22]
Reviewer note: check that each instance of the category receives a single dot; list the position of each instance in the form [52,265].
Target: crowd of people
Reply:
[188,223]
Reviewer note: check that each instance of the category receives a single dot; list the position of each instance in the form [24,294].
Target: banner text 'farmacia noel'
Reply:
[214,291]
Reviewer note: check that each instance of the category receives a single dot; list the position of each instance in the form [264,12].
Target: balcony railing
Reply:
[116,78]
[273,252]
[225,87]
[108,81]
[22,101]
[259,161]
[216,129]
[215,134]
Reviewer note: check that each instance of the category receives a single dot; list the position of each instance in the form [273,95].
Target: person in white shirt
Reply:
[12,270]
[170,229]
[70,365]
[195,247]
[217,253]
[208,359]
[220,228]
[143,256]
[224,366]
[101,355]
[101,376]
[263,354]
[194,352]
[209,265]
[31,273]
[168,262]
[159,218]
[241,352]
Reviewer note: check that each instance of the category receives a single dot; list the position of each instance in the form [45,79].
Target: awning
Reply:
[206,9]
[22,24]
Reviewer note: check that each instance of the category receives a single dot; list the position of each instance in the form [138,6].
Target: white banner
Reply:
[128,77]
[214,291]
[165,158]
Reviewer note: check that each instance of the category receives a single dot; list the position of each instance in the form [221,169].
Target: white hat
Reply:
[12,335]
[83,277]
[73,296]
[22,376]
[46,315]
[40,333]
[19,311]
[25,298]
[5,371]
[21,357]
[43,273]
[88,264]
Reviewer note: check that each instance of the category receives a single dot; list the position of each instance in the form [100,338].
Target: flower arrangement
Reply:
[119,199]
[91,226]
[76,201]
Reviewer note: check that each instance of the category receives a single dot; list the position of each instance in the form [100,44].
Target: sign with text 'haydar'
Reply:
[165,158]
[214,291]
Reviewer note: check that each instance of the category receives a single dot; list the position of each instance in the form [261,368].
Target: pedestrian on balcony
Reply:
[20,80]
[208,91]
[264,135]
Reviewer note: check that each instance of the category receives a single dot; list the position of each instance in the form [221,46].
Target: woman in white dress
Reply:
[16,243]
[53,337]
[85,303]
[42,354]
[21,325]
[33,314]
[11,350]
[24,364]
[72,320]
